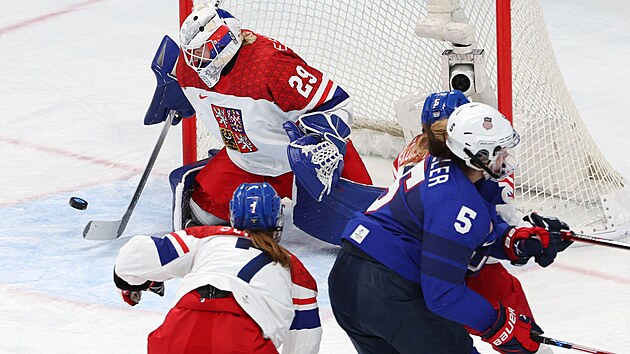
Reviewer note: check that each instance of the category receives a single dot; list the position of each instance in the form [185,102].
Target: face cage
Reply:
[210,49]
[277,231]
[498,168]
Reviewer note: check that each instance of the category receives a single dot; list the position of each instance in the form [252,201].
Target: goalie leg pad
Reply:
[326,219]
[182,181]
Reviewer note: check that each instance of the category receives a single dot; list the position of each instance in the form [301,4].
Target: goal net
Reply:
[371,50]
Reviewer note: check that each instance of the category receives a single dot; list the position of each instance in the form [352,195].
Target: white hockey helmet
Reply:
[210,37]
[482,137]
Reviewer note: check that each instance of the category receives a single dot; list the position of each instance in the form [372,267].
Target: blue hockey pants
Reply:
[383,312]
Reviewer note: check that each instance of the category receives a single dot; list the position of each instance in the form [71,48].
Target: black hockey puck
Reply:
[78,203]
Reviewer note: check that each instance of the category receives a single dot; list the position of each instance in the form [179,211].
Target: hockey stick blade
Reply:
[102,230]
[570,235]
[111,230]
[567,345]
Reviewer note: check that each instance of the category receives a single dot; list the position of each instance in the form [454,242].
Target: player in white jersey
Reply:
[245,87]
[241,292]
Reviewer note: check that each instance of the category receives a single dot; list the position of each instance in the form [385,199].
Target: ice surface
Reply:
[75,86]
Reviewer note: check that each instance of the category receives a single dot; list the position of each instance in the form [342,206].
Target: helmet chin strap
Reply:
[475,162]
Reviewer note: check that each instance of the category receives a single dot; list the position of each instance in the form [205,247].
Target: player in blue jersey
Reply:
[398,284]
[493,281]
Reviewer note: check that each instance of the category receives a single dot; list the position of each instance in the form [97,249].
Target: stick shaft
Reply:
[110,230]
[567,345]
[570,235]
[145,174]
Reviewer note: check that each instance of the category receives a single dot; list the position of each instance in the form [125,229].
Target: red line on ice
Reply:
[49,298]
[62,191]
[45,17]
[129,169]
[594,274]
[48,149]
[581,271]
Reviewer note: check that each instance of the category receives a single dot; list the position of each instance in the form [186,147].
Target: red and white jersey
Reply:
[281,301]
[267,86]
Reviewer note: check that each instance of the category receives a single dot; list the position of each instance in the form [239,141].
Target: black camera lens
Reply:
[460,82]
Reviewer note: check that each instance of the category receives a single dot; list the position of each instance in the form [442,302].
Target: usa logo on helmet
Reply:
[487,123]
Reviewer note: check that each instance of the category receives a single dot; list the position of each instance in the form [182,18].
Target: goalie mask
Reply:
[482,137]
[210,37]
[256,206]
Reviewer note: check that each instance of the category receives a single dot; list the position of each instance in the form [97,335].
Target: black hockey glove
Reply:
[132,294]
[556,243]
[157,287]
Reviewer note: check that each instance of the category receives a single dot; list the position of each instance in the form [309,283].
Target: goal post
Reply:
[504,57]
[370,49]
[189,126]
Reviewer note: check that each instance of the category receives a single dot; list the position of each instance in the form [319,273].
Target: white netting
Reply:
[370,49]
[326,156]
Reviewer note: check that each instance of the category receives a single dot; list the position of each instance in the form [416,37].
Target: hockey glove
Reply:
[522,243]
[132,298]
[157,287]
[168,94]
[555,228]
[132,294]
[511,332]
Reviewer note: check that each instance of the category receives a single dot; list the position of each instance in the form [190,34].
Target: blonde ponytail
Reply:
[436,139]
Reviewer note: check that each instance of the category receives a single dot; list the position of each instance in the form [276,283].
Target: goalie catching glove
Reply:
[316,149]
[132,294]
[543,241]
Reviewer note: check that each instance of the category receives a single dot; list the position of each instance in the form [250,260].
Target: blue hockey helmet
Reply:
[440,105]
[256,206]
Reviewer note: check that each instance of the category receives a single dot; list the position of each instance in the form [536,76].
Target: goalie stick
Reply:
[110,230]
[570,235]
[567,345]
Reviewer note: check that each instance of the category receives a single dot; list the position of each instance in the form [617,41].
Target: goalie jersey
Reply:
[281,301]
[264,86]
[434,227]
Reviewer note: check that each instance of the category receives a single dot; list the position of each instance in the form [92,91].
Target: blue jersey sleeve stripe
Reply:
[165,248]
[253,266]
[439,269]
[338,97]
[456,252]
[307,319]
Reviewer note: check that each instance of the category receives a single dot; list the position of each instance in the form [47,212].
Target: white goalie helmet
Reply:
[482,137]
[210,37]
